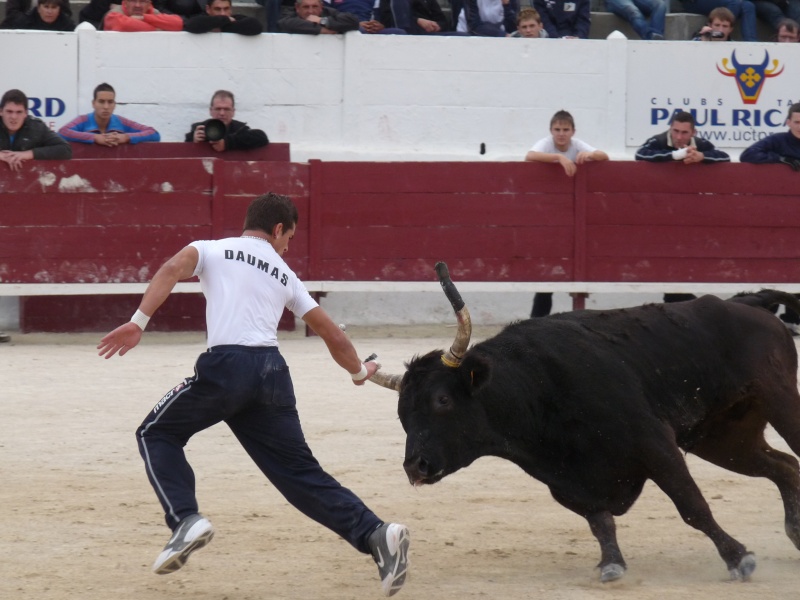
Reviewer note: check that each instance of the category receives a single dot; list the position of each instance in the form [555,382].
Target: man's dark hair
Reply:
[222,94]
[562,116]
[103,87]
[789,25]
[683,117]
[794,108]
[266,211]
[14,97]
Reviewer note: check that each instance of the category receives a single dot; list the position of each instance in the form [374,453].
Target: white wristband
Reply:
[361,374]
[140,319]
[679,154]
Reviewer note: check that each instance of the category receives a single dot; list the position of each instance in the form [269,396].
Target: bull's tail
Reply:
[769,299]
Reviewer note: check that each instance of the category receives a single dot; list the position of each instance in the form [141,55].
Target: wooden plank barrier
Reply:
[618,226]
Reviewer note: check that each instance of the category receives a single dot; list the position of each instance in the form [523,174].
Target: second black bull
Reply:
[594,403]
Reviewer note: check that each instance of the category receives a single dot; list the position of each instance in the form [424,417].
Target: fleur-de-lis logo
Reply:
[750,78]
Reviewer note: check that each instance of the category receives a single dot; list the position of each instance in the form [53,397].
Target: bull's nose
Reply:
[417,469]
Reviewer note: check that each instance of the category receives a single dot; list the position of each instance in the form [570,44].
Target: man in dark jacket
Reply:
[312,18]
[219,17]
[47,15]
[238,136]
[416,17]
[23,137]
[781,147]
[680,142]
[569,19]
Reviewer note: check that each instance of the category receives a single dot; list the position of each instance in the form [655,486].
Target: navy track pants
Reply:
[251,390]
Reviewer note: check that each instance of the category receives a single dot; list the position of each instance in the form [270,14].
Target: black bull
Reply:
[594,403]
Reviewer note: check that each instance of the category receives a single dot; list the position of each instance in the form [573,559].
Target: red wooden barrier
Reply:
[488,221]
[705,223]
[116,220]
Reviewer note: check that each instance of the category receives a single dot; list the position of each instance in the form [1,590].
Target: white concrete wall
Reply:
[366,97]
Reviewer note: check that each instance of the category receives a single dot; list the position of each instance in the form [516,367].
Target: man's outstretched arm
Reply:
[127,336]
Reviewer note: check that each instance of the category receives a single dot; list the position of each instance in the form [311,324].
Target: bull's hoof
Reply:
[745,569]
[611,572]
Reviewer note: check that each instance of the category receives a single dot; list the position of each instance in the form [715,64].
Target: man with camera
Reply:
[221,131]
[720,25]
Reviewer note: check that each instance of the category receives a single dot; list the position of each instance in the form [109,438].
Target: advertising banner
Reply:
[738,92]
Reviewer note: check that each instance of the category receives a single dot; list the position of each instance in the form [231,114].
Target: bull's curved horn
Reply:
[735,62]
[766,61]
[452,358]
[391,382]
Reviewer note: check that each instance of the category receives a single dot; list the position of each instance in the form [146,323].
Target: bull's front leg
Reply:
[612,565]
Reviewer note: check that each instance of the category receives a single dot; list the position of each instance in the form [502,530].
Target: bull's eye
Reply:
[443,402]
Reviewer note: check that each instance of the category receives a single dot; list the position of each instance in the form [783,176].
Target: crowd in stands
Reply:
[566,19]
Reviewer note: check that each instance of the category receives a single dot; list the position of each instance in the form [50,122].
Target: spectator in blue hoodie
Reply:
[568,19]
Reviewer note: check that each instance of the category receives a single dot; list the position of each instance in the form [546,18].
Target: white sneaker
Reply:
[192,533]
[389,545]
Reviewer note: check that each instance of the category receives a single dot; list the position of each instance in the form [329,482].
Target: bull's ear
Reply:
[476,370]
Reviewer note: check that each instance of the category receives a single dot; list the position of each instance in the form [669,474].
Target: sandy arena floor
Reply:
[80,522]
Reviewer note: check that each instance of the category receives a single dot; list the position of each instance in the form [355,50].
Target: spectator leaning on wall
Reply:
[680,143]
[103,127]
[139,15]
[16,9]
[365,10]
[237,135]
[529,24]
[23,137]
[783,148]
[416,17]
[219,17]
[47,15]
[312,18]
[568,151]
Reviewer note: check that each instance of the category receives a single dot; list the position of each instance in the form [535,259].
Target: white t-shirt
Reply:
[247,285]
[548,146]
[490,11]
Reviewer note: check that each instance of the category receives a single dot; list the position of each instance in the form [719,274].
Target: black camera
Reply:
[215,130]
[714,34]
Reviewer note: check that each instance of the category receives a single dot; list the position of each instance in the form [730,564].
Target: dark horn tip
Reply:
[441,270]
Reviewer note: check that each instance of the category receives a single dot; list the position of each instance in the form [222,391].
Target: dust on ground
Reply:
[80,521]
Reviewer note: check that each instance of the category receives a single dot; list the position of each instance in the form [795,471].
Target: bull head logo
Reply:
[750,78]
